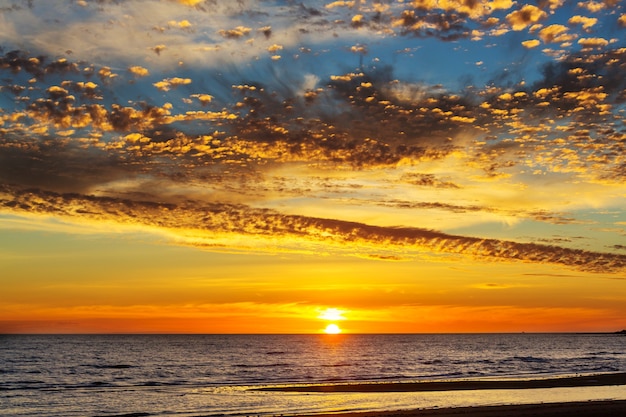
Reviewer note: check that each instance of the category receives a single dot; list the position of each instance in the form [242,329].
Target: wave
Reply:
[531,359]
[337,365]
[109,366]
[262,365]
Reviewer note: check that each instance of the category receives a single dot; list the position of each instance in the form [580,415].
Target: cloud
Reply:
[211,113]
[554,33]
[531,43]
[593,43]
[397,121]
[527,15]
[206,220]
[592,6]
[586,22]
[169,83]
[139,71]
[238,32]
[494,286]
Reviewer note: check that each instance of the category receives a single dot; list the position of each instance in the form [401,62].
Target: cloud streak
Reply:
[204,220]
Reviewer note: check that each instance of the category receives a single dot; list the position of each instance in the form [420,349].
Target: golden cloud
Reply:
[592,43]
[238,32]
[586,22]
[168,83]
[548,33]
[209,223]
[592,6]
[138,71]
[183,24]
[525,16]
[532,43]
[340,3]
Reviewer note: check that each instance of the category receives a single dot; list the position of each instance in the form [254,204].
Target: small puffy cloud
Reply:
[158,49]
[553,33]
[592,6]
[593,42]
[138,71]
[238,32]
[274,48]
[500,4]
[587,98]
[183,24]
[57,92]
[586,22]
[340,3]
[168,83]
[346,77]
[555,4]
[491,22]
[525,16]
[203,98]
[622,20]
[473,9]
[499,31]
[357,21]
[105,72]
[532,43]
[266,31]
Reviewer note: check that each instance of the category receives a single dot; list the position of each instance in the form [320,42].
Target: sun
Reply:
[332,329]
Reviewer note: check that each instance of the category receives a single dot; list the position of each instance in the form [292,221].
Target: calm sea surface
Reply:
[206,375]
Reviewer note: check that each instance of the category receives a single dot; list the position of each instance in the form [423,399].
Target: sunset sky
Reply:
[220,166]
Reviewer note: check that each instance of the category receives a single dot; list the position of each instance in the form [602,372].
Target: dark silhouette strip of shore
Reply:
[613,408]
[556,382]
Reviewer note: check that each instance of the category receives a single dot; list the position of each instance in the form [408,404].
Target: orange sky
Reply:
[217,168]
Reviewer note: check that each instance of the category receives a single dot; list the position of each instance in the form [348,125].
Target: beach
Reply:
[462,385]
[567,409]
[607,408]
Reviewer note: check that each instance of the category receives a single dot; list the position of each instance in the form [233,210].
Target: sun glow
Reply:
[332,329]
[332,314]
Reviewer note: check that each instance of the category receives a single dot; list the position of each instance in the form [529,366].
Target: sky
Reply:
[213,166]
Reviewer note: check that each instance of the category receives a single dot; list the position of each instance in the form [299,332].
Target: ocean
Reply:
[213,375]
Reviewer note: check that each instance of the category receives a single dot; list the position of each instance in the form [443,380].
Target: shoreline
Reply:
[606,408]
[461,385]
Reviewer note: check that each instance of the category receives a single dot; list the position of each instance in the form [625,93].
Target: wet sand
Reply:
[573,409]
[609,408]
[557,382]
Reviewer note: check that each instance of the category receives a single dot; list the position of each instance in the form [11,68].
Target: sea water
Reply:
[202,375]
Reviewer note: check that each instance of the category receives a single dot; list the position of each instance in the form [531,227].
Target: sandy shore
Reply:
[558,382]
[609,408]
[573,409]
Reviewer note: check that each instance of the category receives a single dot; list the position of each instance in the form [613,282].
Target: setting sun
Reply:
[332,329]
